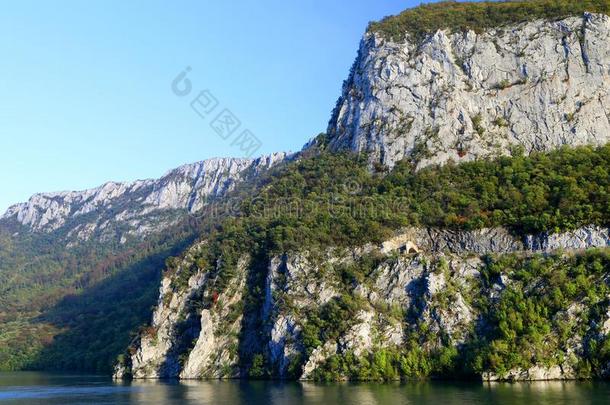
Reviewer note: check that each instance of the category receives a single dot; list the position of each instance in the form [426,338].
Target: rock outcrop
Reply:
[181,325]
[466,95]
[403,289]
[536,373]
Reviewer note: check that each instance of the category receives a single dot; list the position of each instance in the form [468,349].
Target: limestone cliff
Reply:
[466,95]
[431,285]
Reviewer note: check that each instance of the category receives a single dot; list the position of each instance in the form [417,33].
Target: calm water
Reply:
[41,388]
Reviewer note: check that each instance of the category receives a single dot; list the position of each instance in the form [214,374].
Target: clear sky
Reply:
[86,85]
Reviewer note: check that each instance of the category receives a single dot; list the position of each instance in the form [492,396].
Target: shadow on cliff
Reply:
[251,337]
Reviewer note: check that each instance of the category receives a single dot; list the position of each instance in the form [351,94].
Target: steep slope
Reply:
[376,313]
[450,93]
[496,276]
[66,260]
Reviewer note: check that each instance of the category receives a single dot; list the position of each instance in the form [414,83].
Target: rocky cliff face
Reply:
[421,295]
[420,277]
[117,211]
[463,95]
[181,324]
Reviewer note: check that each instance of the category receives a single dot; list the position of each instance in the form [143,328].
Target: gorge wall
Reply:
[466,95]
[435,284]
[428,296]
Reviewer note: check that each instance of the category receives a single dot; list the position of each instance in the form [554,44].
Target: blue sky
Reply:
[87,94]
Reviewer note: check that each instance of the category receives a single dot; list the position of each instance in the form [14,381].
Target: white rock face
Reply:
[394,283]
[536,373]
[464,95]
[359,338]
[451,319]
[318,356]
[296,276]
[143,206]
[582,238]
[153,357]
[211,356]
[495,240]
[429,287]
[157,354]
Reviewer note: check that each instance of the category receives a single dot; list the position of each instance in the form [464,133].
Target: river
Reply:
[44,388]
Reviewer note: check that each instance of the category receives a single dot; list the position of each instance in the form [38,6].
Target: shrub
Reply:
[479,16]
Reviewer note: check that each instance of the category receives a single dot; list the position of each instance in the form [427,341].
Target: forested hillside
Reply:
[308,227]
[75,309]
[78,309]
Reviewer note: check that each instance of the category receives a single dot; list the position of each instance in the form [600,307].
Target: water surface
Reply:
[44,388]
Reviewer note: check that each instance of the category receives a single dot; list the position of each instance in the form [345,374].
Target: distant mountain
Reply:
[68,258]
[115,212]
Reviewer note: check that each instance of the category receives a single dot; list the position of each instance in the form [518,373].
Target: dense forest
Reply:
[77,309]
[477,16]
[335,200]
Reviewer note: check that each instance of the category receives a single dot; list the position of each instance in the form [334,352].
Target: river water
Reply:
[43,388]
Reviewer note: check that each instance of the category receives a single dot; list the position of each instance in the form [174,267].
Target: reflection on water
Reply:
[43,388]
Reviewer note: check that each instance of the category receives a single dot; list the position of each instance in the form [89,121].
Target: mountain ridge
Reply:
[141,204]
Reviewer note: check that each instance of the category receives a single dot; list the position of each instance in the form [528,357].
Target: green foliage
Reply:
[477,124]
[381,365]
[529,324]
[553,191]
[504,84]
[76,309]
[359,271]
[388,364]
[20,341]
[334,200]
[331,320]
[501,122]
[478,16]
[258,369]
